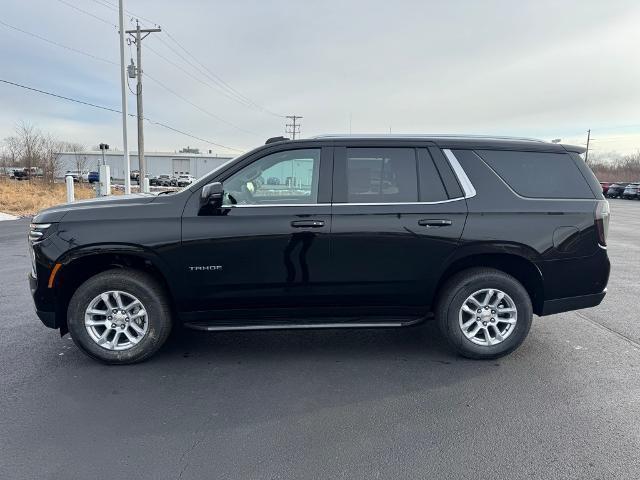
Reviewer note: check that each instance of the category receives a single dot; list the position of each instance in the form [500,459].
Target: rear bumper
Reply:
[559,305]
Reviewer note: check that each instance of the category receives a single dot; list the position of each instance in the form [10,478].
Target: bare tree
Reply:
[612,168]
[9,154]
[30,145]
[52,158]
[80,157]
[36,151]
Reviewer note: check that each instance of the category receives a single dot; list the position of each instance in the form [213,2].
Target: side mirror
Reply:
[212,194]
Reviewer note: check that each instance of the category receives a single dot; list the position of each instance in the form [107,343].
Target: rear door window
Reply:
[538,174]
[430,183]
[381,175]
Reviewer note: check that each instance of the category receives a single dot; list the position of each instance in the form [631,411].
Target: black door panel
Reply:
[390,247]
[268,245]
[383,256]
[263,259]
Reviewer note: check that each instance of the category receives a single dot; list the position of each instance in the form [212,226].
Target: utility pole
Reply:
[136,34]
[293,128]
[586,155]
[123,87]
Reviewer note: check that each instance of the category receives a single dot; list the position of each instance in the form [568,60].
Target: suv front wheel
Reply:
[119,316]
[484,313]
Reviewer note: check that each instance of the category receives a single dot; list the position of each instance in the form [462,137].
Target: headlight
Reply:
[37,231]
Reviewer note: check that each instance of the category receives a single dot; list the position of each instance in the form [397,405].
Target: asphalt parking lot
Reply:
[328,404]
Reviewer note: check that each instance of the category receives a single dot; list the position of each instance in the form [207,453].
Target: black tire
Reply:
[141,285]
[454,293]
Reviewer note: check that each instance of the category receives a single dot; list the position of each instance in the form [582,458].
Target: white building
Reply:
[158,163]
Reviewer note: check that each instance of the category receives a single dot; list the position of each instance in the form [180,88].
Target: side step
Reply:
[215,327]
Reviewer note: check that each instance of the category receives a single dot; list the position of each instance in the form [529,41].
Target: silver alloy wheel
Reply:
[488,317]
[116,320]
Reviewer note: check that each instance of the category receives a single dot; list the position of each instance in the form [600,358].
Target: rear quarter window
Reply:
[538,174]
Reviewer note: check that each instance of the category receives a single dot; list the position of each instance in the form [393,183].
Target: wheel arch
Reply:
[78,265]
[520,267]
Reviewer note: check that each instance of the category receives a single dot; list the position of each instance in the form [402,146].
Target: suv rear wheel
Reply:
[119,316]
[484,313]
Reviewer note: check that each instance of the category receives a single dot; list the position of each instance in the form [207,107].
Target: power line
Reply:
[60,96]
[57,44]
[114,110]
[114,7]
[221,82]
[75,50]
[105,4]
[71,5]
[218,83]
[230,91]
[203,110]
[207,77]
[189,74]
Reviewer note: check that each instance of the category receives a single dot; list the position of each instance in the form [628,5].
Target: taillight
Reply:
[602,215]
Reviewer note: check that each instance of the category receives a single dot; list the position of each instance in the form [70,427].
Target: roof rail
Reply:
[276,139]
[430,136]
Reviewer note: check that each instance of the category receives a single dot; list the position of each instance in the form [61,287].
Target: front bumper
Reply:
[49,319]
[43,303]
[560,305]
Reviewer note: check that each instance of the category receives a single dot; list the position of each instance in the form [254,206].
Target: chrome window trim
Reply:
[343,204]
[261,205]
[467,187]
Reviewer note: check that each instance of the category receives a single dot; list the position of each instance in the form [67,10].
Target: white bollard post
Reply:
[145,185]
[105,180]
[70,193]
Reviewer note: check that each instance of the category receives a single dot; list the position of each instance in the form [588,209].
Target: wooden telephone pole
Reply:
[137,39]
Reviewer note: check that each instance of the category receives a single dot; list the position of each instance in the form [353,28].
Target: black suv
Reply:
[333,232]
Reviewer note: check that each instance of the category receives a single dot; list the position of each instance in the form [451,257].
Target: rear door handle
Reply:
[307,223]
[434,223]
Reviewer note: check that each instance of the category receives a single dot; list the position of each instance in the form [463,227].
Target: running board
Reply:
[299,326]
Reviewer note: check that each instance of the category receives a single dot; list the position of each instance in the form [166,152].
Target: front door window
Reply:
[289,177]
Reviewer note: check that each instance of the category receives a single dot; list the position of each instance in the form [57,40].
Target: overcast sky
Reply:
[531,68]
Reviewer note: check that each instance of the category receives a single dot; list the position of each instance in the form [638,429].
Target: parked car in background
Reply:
[616,189]
[8,171]
[134,175]
[88,176]
[25,173]
[359,232]
[605,187]
[20,174]
[77,175]
[631,191]
[184,180]
[164,180]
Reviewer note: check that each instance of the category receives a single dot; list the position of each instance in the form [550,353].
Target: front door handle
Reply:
[434,223]
[307,223]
